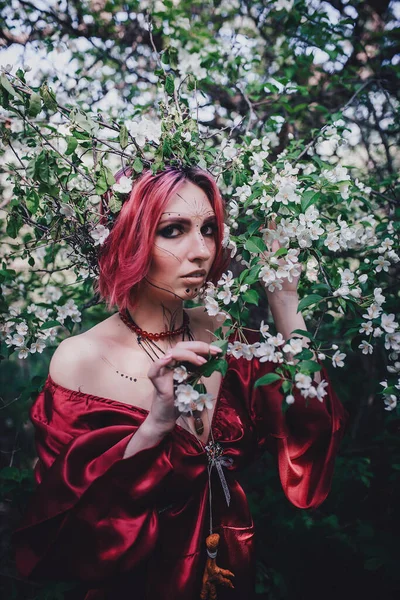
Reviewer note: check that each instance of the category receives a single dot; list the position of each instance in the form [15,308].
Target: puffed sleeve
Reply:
[93,514]
[304,439]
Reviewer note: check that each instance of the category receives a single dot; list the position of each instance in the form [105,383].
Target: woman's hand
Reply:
[163,413]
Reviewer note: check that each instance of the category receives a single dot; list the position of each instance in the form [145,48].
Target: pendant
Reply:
[198,425]
[213,574]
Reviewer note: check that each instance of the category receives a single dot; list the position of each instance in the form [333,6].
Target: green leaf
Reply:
[281,252]
[308,301]
[309,365]
[35,105]
[9,88]
[170,85]
[223,344]
[137,165]
[191,83]
[50,324]
[173,59]
[251,296]
[309,197]
[218,364]
[267,379]
[200,387]
[286,386]
[303,332]
[14,224]
[373,564]
[123,136]
[10,474]
[304,354]
[255,245]
[72,143]
[32,201]
[48,97]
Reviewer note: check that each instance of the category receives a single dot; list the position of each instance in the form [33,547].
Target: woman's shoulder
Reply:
[77,357]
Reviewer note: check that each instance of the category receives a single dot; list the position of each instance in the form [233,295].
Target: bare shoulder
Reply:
[73,357]
[77,358]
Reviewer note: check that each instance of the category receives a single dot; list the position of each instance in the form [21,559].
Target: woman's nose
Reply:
[198,248]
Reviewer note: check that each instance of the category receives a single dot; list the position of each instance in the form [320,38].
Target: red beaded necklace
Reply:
[129,322]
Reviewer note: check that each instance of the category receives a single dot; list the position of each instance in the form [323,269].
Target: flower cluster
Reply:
[275,270]
[28,331]
[187,399]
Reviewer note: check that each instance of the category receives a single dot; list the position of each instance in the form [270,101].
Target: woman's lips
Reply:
[194,278]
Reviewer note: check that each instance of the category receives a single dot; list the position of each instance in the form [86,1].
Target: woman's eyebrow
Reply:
[184,221]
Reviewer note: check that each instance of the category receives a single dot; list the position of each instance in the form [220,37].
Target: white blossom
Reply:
[379,297]
[180,373]
[346,276]
[23,352]
[392,341]
[18,340]
[390,401]
[321,391]
[366,348]
[145,130]
[276,340]
[100,233]
[225,295]
[22,328]
[190,63]
[366,328]
[37,346]
[287,192]
[52,293]
[123,186]
[373,312]
[211,306]
[204,400]
[302,381]
[185,398]
[266,352]
[385,246]
[382,264]
[67,211]
[294,346]
[227,279]
[388,323]
[338,358]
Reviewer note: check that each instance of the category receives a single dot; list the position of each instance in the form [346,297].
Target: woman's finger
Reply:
[200,347]
[175,355]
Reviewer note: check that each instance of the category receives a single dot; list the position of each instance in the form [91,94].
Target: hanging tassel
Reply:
[214,575]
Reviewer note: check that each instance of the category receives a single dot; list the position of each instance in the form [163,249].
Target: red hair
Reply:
[125,258]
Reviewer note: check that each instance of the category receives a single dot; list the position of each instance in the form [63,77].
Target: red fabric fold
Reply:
[138,525]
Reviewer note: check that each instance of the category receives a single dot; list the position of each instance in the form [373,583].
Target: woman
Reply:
[125,499]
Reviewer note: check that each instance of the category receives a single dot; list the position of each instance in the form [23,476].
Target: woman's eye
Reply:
[209,230]
[173,231]
[168,232]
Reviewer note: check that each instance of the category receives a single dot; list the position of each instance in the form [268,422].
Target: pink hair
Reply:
[125,258]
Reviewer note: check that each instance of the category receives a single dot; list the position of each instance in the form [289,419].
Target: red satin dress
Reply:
[135,528]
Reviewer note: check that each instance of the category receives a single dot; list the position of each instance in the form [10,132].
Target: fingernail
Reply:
[202,360]
[215,348]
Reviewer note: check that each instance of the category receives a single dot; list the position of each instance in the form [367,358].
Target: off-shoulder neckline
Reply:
[144,411]
[93,396]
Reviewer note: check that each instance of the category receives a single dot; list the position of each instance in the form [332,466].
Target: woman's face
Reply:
[184,246]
